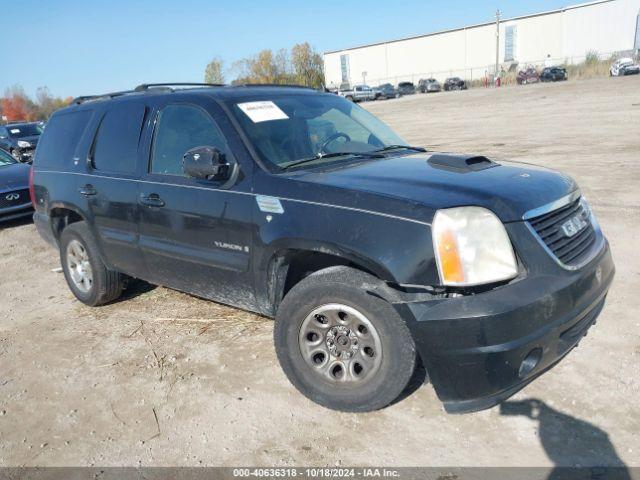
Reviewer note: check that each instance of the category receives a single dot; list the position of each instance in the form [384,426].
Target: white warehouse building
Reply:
[564,35]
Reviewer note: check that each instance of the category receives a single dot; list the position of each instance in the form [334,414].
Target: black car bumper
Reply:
[481,349]
[43,226]
[15,212]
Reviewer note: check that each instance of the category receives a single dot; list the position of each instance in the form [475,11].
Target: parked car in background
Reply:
[624,66]
[385,91]
[553,74]
[358,93]
[20,140]
[455,83]
[15,200]
[529,75]
[406,88]
[428,85]
[373,255]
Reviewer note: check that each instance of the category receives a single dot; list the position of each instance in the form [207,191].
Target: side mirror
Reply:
[206,163]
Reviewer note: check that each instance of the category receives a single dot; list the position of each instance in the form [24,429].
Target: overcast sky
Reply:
[82,47]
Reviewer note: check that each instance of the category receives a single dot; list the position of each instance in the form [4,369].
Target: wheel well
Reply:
[61,217]
[292,266]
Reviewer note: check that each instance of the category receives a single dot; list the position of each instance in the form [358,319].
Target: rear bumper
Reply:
[481,349]
[43,226]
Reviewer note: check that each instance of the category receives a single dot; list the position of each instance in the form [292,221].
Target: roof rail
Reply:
[141,88]
[286,85]
[145,86]
[86,98]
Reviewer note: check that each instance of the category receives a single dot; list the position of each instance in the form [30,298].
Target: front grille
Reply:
[8,199]
[570,250]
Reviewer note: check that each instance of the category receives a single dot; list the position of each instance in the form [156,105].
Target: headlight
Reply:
[589,213]
[472,247]
[23,144]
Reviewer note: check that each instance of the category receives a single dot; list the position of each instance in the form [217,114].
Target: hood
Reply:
[14,176]
[437,181]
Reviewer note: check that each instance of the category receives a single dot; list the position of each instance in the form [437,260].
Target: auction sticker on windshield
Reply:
[262,111]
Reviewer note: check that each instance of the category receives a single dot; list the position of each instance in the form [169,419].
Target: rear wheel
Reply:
[88,278]
[340,346]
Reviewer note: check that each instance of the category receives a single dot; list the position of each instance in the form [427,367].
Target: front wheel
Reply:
[340,346]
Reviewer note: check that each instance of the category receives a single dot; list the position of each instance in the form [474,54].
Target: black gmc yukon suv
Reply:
[372,255]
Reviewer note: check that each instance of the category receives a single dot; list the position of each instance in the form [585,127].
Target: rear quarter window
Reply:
[60,139]
[116,145]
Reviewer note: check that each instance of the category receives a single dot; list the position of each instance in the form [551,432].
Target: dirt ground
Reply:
[163,378]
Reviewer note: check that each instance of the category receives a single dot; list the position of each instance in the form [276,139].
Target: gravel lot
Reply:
[163,378]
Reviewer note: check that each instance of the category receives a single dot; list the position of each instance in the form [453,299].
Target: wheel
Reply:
[88,278]
[350,98]
[340,346]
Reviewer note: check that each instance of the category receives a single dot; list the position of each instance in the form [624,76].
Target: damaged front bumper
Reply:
[480,349]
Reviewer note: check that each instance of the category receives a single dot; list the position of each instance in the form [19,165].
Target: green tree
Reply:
[308,65]
[213,72]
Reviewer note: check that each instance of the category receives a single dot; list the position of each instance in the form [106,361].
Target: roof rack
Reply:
[286,85]
[145,86]
[86,98]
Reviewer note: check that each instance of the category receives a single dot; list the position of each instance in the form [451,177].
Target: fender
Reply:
[273,266]
[78,211]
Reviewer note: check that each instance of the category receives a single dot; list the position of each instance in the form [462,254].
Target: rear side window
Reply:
[116,145]
[60,139]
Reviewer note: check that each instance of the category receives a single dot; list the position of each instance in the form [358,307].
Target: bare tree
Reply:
[213,71]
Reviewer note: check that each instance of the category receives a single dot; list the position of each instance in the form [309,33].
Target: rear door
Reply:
[111,189]
[196,235]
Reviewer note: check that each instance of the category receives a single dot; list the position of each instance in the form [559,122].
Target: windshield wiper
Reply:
[319,156]
[407,147]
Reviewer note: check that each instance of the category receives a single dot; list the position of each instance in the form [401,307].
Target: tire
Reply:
[350,98]
[384,349]
[105,285]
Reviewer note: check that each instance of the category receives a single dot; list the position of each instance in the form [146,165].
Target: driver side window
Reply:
[180,128]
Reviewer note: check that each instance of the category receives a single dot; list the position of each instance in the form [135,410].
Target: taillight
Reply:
[32,192]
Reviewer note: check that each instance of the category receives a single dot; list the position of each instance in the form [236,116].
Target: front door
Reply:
[195,235]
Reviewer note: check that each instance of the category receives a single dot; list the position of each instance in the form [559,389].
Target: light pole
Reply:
[497,43]
[364,78]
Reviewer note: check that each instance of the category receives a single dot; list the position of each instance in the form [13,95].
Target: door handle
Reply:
[151,200]
[87,190]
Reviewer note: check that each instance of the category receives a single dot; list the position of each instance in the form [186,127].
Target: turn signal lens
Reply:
[472,247]
[451,266]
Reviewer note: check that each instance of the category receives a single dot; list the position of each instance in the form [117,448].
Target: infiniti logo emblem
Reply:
[12,196]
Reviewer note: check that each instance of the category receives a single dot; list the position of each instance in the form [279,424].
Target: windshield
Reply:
[285,130]
[6,159]
[26,130]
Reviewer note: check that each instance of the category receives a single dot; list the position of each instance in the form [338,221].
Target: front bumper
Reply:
[481,349]
[18,211]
